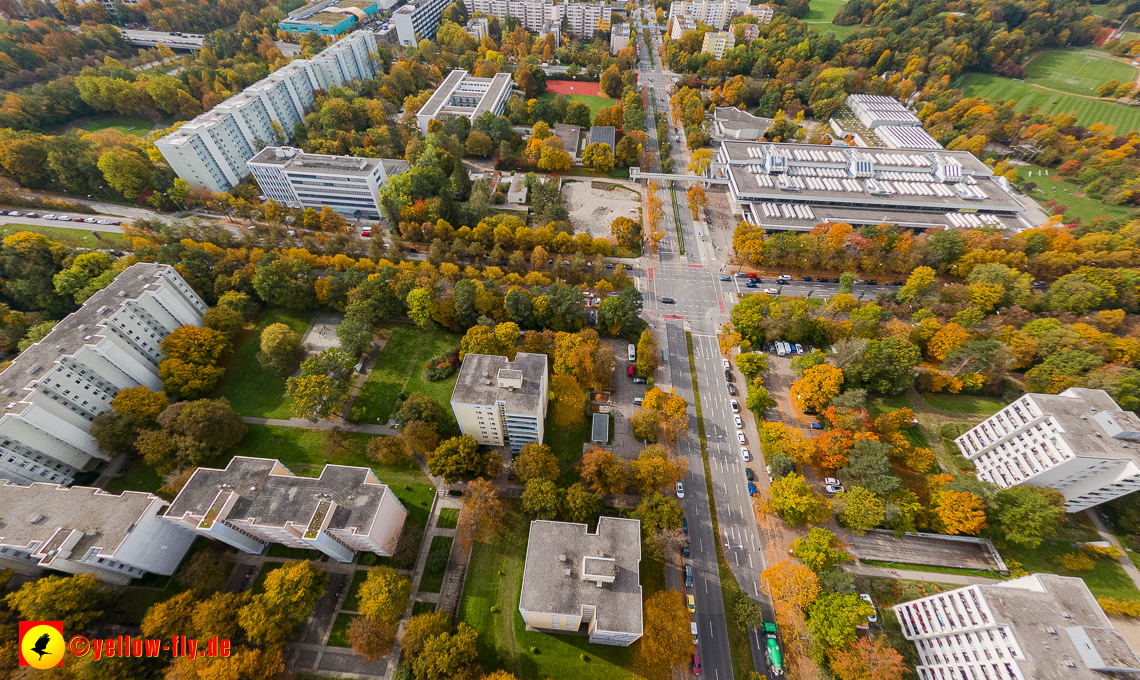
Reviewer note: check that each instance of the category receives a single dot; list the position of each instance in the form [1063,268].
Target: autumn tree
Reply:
[648,354]
[384,594]
[388,450]
[140,403]
[793,585]
[794,500]
[170,617]
[569,407]
[656,469]
[819,550]
[460,457]
[421,628]
[818,387]
[1028,515]
[535,461]
[603,471]
[450,656]
[790,441]
[579,505]
[281,350]
[697,200]
[658,512]
[859,510]
[700,161]
[189,365]
[483,514]
[542,499]
[833,617]
[959,512]
[666,640]
[645,425]
[673,409]
[917,286]
[752,364]
[371,638]
[831,448]
[867,659]
[289,595]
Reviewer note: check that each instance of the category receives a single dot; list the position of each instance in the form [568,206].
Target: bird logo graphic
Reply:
[41,644]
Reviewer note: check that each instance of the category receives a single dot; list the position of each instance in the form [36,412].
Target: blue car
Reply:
[751,489]
[816,426]
[750,284]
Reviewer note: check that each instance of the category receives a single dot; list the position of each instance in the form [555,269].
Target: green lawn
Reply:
[566,445]
[139,127]
[432,580]
[1077,71]
[595,102]
[823,10]
[419,607]
[878,404]
[1087,111]
[448,518]
[79,237]
[140,477]
[400,368]
[1062,189]
[965,403]
[338,637]
[352,600]
[285,552]
[253,391]
[494,579]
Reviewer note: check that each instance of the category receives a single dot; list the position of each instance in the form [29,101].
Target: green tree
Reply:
[281,349]
[627,232]
[859,510]
[479,144]
[919,283]
[869,467]
[450,657]
[846,283]
[384,594]
[579,505]
[419,406]
[793,499]
[752,364]
[421,628]
[542,499]
[126,171]
[648,354]
[1027,515]
[781,465]
[884,366]
[819,550]
[621,314]
[748,614]
[832,619]
[77,601]
[84,277]
[322,385]
[801,363]
[419,307]
[758,398]
[658,512]
[140,403]
[289,596]
[535,461]
[460,457]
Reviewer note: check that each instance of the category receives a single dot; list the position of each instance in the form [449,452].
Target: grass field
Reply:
[400,368]
[338,636]
[422,608]
[139,127]
[1088,111]
[595,102]
[436,566]
[76,238]
[448,518]
[1076,71]
[965,403]
[823,10]
[253,391]
[1055,186]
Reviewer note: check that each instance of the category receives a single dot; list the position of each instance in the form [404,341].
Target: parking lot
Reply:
[622,408]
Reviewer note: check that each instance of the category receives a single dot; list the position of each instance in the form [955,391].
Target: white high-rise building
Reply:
[584,17]
[1037,627]
[56,387]
[1079,442]
[501,402]
[347,184]
[715,13]
[213,149]
[418,20]
[619,37]
[543,16]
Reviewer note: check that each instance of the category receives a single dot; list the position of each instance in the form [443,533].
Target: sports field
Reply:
[573,87]
[595,103]
[1087,111]
[1077,71]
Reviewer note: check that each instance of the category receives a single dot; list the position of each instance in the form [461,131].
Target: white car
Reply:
[680,490]
[90,220]
[740,437]
[727,366]
[831,480]
[739,423]
[833,488]
[745,455]
[50,216]
[873,618]
[771,291]
[15,213]
[735,405]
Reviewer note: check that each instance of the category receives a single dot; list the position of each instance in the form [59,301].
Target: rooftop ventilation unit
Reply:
[565,572]
[561,558]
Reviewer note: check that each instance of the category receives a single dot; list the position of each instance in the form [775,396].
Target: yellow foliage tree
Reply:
[818,387]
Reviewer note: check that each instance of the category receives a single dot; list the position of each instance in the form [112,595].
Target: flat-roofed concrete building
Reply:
[731,122]
[581,583]
[461,94]
[81,530]
[797,186]
[347,184]
[501,402]
[1079,442]
[715,13]
[1037,627]
[604,134]
[257,501]
[54,389]
[874,110]
[718,42]
[418,20]
[329,17]
[619,37]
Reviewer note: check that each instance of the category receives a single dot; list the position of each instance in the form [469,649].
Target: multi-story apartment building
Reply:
[1037,627]
[418,20]
[257,501]
[543,16]
[304,180]
[501,402]
[213,150]
[81,530]
[748,32]
[478,27]
[56,387]
[718,42]
[619,37]
[1079,442]
[461,94]
[584,18]
[578,582]
[764,13]
[715,13]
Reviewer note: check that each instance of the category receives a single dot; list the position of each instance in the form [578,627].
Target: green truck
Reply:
[772,643]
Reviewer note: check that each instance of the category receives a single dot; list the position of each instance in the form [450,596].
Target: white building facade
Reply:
[543,16]
[418,20]
[55,388]
[461,94]
[303,180]
[213,150]
[718,43]
[1040,626]
[619,37]
[1079,442]
[501,402]
[715,13]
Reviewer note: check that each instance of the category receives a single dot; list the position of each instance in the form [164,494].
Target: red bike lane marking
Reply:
[650,273]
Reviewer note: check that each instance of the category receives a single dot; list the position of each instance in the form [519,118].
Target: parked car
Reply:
[366,233]
[639,381]
[15,213]
[872,282]
[727,366]
[749,474]
[726,278]
[750,284]
[753,276]
[732,389]
[684,525]
[895,283]
[696,663]
[805,278]
[740,275]
[628,266]
[772,291]
[90,220]
[629,371]
[688,576]
[744,451]
[1039,284]
[751,489]
[815,426]
[833,488]
[609,265]
[685,552]
[831,480]
[734,405]
[668,301]
[691,603]
[738,421]
[873,618]
[31,214]
[680,490]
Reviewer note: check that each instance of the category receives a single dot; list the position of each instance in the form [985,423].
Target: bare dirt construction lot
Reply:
[593,210]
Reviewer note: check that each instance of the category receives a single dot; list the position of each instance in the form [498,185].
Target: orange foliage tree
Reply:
[867,660]
[831,448]
[666,640]
[959,512]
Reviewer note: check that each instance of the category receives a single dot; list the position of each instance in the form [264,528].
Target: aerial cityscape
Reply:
[569,340]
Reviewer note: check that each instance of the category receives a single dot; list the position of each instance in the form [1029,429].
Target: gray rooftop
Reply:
[478,382]
[897,214]
[604,134]
[290,158]
[600,428]
[1089,432]
[546,588]
[74,331]
[569,134]
[733,118]
[1033,603]
[34,513]
[272,496]
[460,83]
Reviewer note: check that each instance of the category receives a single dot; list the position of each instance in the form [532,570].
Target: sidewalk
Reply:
[909,575]
[1125,561]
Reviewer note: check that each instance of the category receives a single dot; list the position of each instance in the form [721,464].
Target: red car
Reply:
[366,233]
[696,663]
[629,371]
[752,276]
